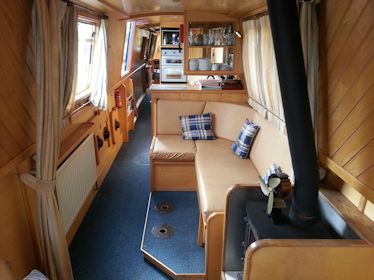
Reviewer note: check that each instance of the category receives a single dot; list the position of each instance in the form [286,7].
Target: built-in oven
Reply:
[170,37]
[172,66]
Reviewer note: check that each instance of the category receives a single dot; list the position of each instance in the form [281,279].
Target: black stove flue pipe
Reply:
[284,22]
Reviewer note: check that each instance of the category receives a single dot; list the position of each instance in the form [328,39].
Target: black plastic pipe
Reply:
[284,22]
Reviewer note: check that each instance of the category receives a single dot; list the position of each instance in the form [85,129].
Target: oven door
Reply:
[172,74]
[172,60]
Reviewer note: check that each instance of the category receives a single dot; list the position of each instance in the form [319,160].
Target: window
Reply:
[86,42]
[127,49]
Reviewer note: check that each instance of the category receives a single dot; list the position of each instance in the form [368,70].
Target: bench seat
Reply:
[173,148]
[217,170]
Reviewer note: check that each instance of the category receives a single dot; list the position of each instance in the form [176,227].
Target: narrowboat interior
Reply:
[187,139]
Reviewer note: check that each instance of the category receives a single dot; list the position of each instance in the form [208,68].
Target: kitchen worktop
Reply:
[174,87]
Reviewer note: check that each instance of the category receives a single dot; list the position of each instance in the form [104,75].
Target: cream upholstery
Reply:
[173,148]
[217,169]
[270,146]
[228,118]
[168,112]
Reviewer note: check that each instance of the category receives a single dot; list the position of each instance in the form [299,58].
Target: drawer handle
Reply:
[99,141]
[106,133]
[116,124]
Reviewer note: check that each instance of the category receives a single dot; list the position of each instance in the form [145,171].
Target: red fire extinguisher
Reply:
[118,98]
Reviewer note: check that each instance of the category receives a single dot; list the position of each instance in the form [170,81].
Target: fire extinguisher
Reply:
[118,98]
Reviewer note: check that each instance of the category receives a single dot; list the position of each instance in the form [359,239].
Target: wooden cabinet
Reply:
[127,112]
[212,45]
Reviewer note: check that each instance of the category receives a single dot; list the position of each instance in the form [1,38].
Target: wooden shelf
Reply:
[211,46]
[207,72]
[231,53]
[73,139]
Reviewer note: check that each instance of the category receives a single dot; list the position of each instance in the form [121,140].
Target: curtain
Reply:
[68,17]
[261,72]
[309,40]
[99,97]
[50,93]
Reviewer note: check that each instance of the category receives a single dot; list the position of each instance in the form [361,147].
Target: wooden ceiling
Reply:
[142,8]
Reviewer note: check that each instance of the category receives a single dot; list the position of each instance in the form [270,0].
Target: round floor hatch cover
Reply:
[164,207]
[163,231]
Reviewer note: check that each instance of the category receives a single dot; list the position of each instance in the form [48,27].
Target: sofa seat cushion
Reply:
[173,148]
[217,170]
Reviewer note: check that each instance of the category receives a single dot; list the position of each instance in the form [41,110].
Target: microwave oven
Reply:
[170,37]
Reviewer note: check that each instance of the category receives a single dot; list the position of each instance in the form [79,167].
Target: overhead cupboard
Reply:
[212,44]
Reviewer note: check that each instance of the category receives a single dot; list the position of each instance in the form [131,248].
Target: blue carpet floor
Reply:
[180,251]
[107,244]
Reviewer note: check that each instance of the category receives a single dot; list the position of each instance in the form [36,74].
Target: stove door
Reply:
[173,74]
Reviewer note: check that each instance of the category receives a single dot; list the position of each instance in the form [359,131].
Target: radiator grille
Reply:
[75,179]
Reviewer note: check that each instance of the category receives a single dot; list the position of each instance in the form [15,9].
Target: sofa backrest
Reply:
[228,118]
[168,112]
[270,146]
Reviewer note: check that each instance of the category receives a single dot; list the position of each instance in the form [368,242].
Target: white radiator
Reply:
[75,179]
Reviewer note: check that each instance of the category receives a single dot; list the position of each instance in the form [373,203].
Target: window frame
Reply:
[130,40]
[85,94]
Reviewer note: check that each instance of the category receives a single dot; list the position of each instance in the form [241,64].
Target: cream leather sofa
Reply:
[211,167]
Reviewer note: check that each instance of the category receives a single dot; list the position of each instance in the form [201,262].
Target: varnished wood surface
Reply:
[361,224]
[17,106]
[308,260]
[214,245]
[346,114]
[73,140]
[135,7]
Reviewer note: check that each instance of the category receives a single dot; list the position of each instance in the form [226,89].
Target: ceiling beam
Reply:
[152,14]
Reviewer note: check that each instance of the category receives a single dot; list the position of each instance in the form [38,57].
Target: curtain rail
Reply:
[266,109]
[81,7]
[256,16]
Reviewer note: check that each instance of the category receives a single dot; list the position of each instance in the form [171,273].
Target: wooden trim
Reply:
[73,140]
[263,11]
[308,259]
[214,245]
[201,230]
[362,204]
[127,76]
[152,14]
[11,166]
[358,221]
[346,177]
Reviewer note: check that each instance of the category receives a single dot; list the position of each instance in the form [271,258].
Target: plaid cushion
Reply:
[198,134]
[244,141]
[197,127]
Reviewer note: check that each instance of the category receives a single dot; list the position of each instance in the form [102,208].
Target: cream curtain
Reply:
[309,40]
[260,71]
[68,16]
[99,95]
[51,90]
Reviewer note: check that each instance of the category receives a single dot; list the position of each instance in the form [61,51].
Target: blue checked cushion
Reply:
[197,127]
[244,141]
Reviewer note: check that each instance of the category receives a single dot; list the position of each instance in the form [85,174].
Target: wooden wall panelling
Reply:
[16,244]
[17,117]
[346,99]
[116,39]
